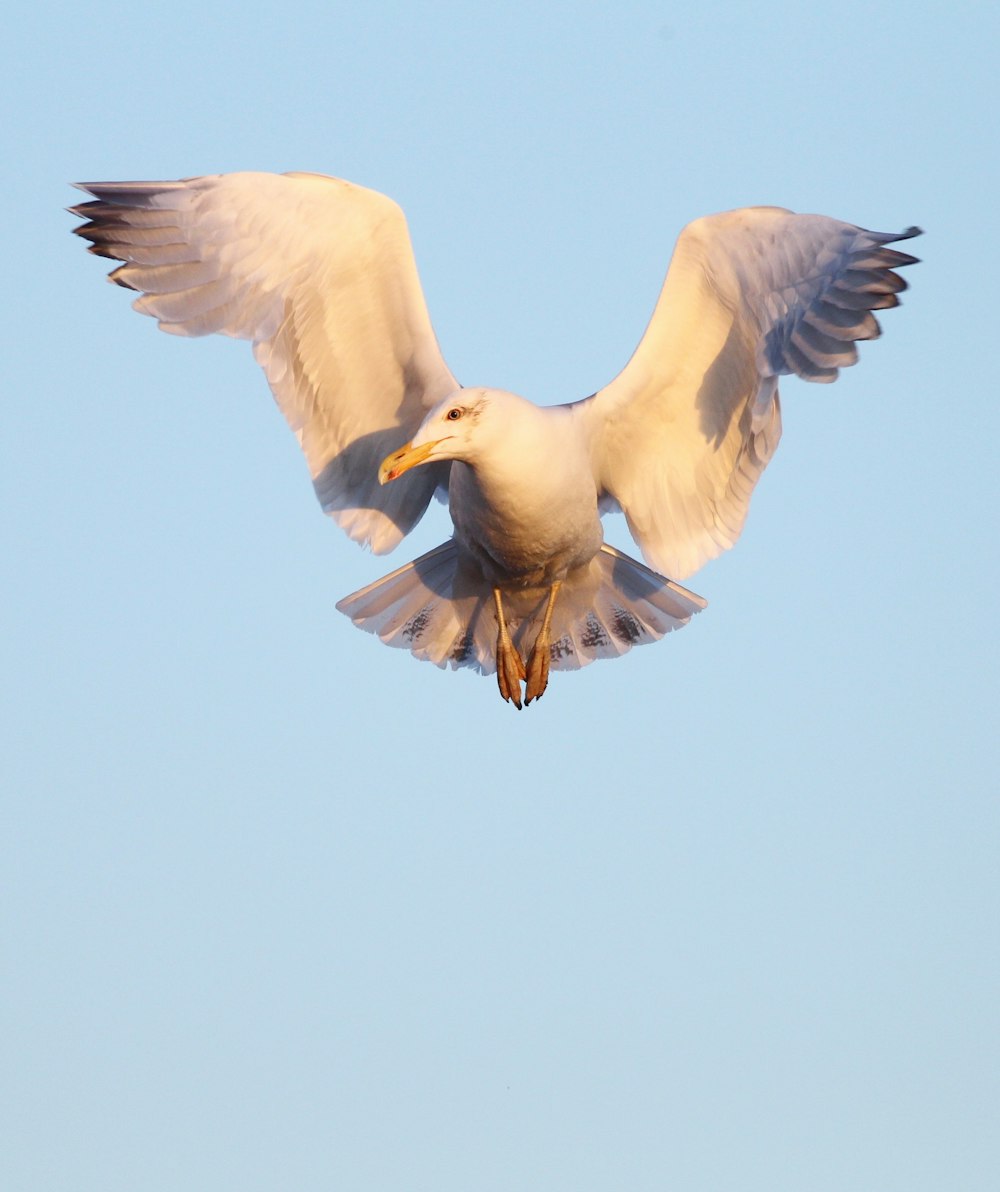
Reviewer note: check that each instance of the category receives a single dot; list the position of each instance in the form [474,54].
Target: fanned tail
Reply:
[440,608]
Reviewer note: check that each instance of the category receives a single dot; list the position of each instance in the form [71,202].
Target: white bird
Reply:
[319,275]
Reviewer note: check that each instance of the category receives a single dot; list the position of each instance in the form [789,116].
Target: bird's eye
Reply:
[454,414]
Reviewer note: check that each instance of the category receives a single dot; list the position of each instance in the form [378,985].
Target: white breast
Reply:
[527,508]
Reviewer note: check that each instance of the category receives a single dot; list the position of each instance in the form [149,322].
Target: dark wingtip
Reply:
[119,277]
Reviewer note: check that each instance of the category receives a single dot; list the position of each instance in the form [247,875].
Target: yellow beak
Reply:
[408,456]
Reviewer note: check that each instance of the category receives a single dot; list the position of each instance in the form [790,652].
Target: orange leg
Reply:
[510,665]
[538,660]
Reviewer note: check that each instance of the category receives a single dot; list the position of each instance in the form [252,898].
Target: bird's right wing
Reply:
[319,274]
[681,436]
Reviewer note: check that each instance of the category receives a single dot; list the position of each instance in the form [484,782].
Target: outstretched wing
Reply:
[319,274]
[681,436]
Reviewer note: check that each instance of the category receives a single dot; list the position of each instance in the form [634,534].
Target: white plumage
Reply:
[319,275]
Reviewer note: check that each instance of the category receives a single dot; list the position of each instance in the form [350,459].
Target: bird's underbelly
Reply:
[524,540]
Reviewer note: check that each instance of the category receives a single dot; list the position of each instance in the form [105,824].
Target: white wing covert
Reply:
[319,274]
[681,436]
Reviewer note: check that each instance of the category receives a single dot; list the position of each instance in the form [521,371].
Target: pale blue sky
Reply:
[285,909]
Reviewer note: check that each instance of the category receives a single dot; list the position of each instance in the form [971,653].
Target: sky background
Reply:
[284,909]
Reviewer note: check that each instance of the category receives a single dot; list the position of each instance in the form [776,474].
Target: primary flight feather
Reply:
[319,275]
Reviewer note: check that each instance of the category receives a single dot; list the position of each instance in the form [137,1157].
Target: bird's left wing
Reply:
[681,436]
[319,274]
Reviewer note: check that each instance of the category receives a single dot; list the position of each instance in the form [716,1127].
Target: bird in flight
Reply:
[319,275]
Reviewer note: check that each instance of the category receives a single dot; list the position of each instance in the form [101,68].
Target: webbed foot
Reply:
[538,670]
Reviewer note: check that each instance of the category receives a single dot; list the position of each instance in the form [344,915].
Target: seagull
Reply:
[319,275]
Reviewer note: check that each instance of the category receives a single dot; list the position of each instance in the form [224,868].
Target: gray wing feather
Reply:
[681,436]
[319,275]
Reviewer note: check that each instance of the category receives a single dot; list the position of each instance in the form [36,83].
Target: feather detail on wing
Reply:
[319,274]
[681,436]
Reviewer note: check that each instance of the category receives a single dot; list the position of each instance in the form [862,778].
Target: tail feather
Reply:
[441,609]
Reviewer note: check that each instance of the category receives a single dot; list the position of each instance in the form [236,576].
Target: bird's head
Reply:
[454,429]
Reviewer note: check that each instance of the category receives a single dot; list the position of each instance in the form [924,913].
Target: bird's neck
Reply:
[531,464]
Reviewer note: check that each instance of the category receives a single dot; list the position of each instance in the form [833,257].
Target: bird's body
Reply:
[319,275]
[526,511]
